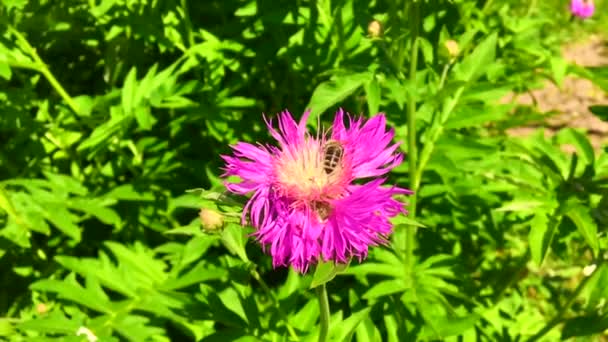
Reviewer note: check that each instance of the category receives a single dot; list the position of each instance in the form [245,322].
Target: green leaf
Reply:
[372,92]
[580,142]
[128,91]
[198,274]
[236,102]
[233,302]
[325,272]
[542,230]
[375,268]
[55,322]
[330,93]
[144,117]
[128,192]
[405,220]
[95,208]
[586,325]
[427,50]
[579,214]
[366,331]
[385,288]
[559,67]
[305,318]
[479,61]
[475,116]
[234,239]
[345,329]
[6,327]
[74,293]
[63,220]
[445,326]
[525,205]
[5,71]
[601,111]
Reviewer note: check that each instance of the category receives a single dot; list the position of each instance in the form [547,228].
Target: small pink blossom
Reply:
[305,204]
[582,8]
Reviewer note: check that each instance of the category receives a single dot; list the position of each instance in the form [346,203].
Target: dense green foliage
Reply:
[111,111]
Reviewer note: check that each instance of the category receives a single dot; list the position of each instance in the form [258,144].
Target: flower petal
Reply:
[368,144]
[360,220]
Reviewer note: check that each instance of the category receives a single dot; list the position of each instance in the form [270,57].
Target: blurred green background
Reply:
[112,110]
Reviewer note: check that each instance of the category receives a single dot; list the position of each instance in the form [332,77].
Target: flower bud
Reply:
[42,308]
[374,29]
[211,220]
[452,47]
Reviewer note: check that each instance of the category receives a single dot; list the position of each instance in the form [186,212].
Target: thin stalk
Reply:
[277,305]
[41,67]
[187,23]
[560,314]
[324,308]
[340,28]
[410,235]
[444,75]
[435,133]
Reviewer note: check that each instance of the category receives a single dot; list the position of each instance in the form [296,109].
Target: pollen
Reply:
[301,174]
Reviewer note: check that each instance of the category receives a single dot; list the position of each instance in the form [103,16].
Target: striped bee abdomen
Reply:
[332,156]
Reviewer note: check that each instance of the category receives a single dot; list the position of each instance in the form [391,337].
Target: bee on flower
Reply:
[305,204]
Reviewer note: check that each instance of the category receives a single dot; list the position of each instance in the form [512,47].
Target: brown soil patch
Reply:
[573,99]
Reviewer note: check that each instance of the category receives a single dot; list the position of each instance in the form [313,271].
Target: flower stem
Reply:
[187,23]
[560,314]
[324,308]
[41,67]
[410,235]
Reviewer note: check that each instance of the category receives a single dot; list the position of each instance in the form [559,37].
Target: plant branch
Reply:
[41,67]
[410,235]
[324,309]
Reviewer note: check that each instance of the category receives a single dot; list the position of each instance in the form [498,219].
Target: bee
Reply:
[333,152]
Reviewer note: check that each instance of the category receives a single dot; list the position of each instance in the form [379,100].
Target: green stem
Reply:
[435,132]
[187,23]
[340,28]
[324,308]
[41,67]
[277,305]
[560,314]
[410,235]
[444,75]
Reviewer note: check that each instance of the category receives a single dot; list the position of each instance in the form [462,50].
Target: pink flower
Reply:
[582,8]
[305,204]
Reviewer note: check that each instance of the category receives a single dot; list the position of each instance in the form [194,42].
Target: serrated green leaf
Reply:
[234,239]
[542,230]
[55,322]
[475,64]
[74,293]
[581,217]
